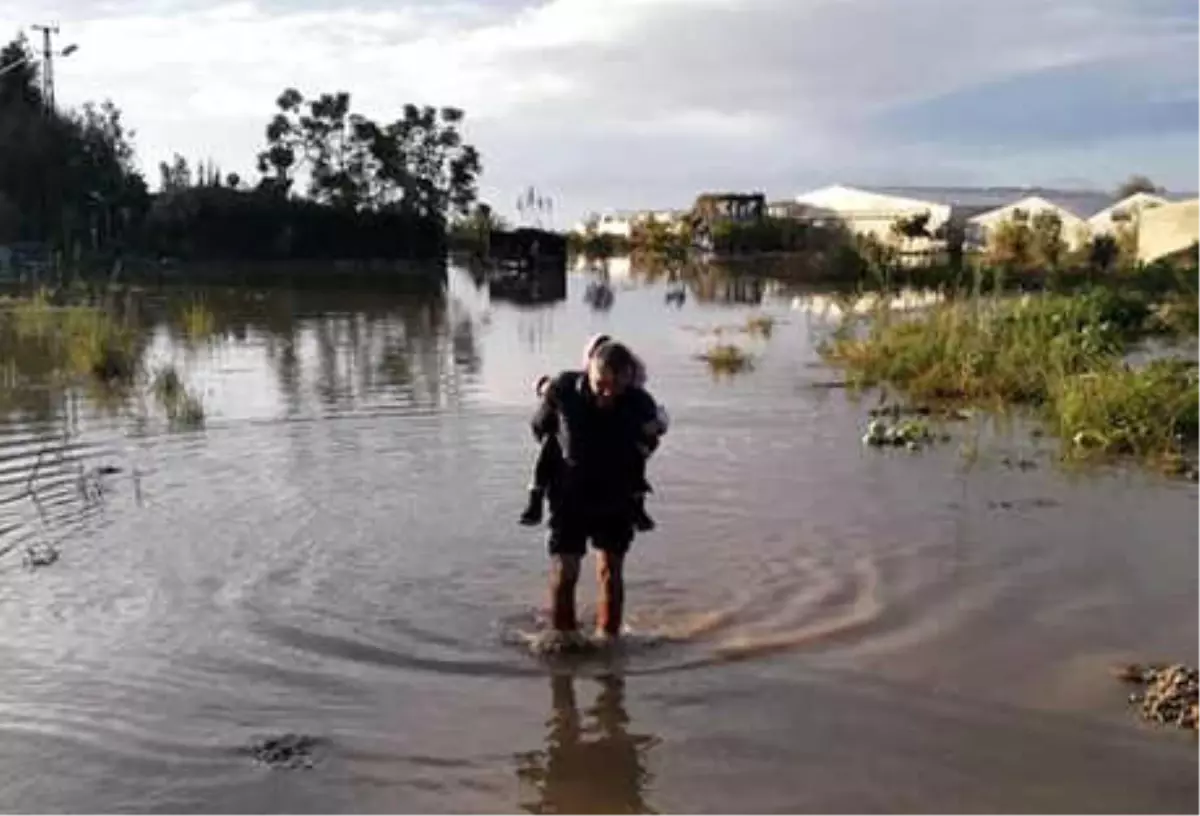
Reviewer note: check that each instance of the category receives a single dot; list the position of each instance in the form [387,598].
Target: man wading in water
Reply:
[604,424]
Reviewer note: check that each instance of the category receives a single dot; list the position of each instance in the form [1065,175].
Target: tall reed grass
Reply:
[67,340]
[50,341]
[1062,355]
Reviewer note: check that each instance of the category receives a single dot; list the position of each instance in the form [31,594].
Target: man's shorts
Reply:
[570,533]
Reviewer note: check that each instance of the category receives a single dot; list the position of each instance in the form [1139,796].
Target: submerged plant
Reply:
[761,326]
[726,358]
[183,408]
[67,341]
[52,341]
[198,321]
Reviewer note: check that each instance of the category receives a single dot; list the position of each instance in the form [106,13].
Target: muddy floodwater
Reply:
[308,604]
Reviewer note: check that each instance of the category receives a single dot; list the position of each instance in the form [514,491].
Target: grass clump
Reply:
[760,326]
[982,351]
[198,321]
[53,341]
[1177,315]
[727,358]
[70,340]
[1060,354]
[1151,412]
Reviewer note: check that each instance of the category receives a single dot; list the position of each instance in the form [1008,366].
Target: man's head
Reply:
[610,371]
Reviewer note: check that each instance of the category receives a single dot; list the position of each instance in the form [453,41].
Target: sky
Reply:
[623,104]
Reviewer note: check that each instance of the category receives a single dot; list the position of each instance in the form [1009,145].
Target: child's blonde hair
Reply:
[596,342]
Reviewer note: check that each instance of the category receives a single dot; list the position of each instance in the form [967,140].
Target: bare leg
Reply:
[610,574]
[564,575]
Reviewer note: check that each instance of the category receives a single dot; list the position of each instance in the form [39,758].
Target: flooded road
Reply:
[335,554]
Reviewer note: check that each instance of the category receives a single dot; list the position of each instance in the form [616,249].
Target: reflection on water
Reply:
[341,345]
[708,283]
[591,763]
[336,553]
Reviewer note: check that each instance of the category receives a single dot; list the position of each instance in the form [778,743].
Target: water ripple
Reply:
[336,553]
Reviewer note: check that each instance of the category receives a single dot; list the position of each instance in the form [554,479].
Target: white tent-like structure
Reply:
[1127,211]
[871,213]
[1074,229]
[1168,229]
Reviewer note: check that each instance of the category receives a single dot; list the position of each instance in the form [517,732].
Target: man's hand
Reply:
[653,429]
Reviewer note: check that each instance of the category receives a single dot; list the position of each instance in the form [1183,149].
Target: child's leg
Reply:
[548,460]
[641,519]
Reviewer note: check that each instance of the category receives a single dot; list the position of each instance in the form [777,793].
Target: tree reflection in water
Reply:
[590,764]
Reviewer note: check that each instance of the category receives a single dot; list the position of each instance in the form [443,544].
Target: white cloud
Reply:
[598,98]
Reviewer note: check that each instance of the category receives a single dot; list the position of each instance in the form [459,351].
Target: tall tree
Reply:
[1046,240]
[1137,184]
[418,163]
[533,205]
[175,176]
[19,82]
[1010,244]
[68,175]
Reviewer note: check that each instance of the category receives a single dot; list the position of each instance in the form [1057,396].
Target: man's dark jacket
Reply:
[601,459]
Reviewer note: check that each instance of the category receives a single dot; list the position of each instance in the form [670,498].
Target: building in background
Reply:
[974,212]
[621,223]
[873,210]
[1075,231]
[1168,229]
[1124,213]
[711,209]
[869,212]
[737,207]
[795,211]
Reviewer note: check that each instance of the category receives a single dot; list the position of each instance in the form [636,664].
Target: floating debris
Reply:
[40,555]
[1018,504]
[1169,694]
[1021,463]
[910,433]
[286,751]
[1180,466]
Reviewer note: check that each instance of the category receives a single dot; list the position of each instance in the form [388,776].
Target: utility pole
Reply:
[48,31]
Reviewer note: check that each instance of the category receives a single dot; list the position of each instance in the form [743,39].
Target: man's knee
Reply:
[565,569]
[610,566]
